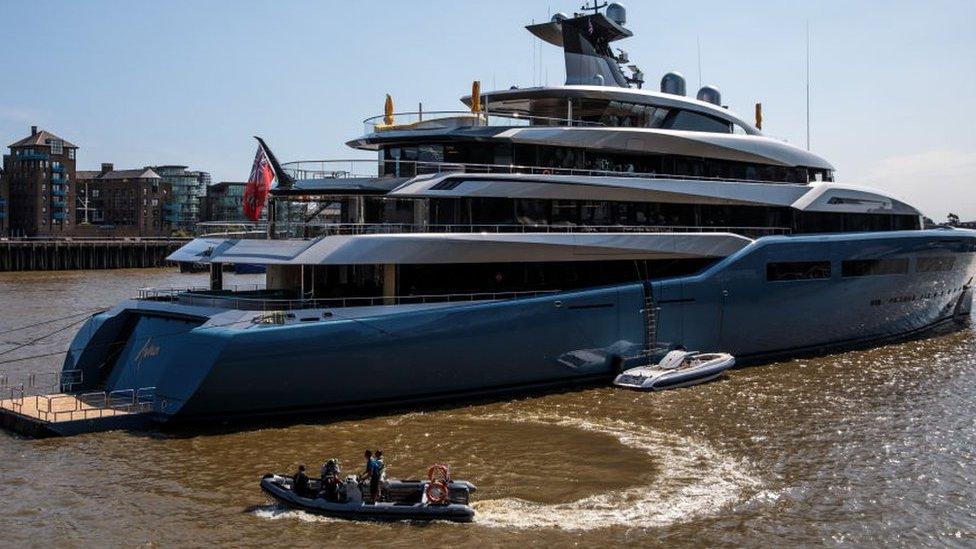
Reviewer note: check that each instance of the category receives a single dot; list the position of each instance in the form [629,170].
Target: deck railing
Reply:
[425,120]
[314,230]
[245,302]
[370,168]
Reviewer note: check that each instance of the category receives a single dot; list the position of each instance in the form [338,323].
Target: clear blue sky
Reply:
[139,83]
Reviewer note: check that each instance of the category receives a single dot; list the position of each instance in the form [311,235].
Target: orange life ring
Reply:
[439,472]
[437,492]
[546,172]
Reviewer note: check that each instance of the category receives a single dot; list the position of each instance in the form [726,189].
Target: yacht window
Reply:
[739,130]
[530,211]
[873,267]
[697,122]
[934,264]
[797,270]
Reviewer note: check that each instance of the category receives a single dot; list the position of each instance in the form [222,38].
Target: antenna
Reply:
[699,63]
[595,8]
[534,71]
[808,84]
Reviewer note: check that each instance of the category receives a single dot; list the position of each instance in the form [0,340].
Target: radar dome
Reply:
[558,17]
[617,13]
[710,94]
[673,83]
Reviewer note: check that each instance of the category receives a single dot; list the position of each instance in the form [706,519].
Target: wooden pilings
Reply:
[58,255]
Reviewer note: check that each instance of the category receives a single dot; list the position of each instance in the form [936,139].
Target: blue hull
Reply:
[364,357]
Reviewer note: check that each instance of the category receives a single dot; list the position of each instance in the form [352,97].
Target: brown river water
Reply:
[862,448]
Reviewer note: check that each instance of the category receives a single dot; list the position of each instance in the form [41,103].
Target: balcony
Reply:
[58,192]
[59,216]
[32,155]
[57,204]
[57,168]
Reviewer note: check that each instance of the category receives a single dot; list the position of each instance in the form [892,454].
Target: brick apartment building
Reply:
[4,200]
[123,203]
[38,186]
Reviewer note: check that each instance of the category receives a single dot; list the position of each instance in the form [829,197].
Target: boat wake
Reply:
[696,480]
[276,512]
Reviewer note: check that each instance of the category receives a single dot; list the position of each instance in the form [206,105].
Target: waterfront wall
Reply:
[72,254]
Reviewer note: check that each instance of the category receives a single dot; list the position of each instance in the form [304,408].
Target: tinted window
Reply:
[797,270]
[696,122]
[934,264]
[873,267]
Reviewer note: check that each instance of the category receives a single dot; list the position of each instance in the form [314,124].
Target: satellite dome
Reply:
[617,13]
[558,17]
[673,83]
[710,94]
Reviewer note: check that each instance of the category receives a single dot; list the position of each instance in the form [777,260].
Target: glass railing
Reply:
[32,155]
[436,120]
[257,299]
[315,230]
[370,168]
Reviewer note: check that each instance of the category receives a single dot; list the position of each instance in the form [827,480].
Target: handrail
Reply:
[317,230]
[167,293]
[31,383]
[306,169]
[404,120]
[257,303]
[330,229]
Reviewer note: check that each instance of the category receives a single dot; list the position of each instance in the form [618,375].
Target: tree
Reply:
[953,219]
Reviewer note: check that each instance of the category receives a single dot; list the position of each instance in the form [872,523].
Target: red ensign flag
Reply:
[258,185]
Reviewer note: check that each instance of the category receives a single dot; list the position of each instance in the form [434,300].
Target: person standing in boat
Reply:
[376,471]
[368,455]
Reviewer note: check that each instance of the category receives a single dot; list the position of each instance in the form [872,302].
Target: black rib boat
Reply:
[406,500]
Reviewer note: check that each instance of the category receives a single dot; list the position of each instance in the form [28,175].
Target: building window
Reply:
[874,267]
[56,146]
[797,270]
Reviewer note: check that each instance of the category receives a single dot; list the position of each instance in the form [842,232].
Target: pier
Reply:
[49,254]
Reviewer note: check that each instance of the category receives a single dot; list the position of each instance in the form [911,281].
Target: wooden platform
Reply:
[66,414]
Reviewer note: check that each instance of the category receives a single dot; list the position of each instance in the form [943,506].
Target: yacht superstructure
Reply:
[541,236]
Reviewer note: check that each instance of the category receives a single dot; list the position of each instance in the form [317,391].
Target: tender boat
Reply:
[676,369]
[407,499]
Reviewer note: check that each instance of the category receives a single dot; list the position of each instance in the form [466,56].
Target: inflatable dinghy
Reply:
[405,499]
[676,369]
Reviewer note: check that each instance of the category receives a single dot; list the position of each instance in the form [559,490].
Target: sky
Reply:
[179,82]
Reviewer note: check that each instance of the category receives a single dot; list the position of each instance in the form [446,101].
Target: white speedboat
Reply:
[676,369]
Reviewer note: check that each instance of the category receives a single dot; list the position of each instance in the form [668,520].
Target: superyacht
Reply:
[535,237]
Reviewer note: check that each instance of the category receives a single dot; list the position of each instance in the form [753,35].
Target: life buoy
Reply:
[439,473]
[546,172]
[437,492]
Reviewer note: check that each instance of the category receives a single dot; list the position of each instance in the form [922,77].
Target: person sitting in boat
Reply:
[330,480]
[300,482]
